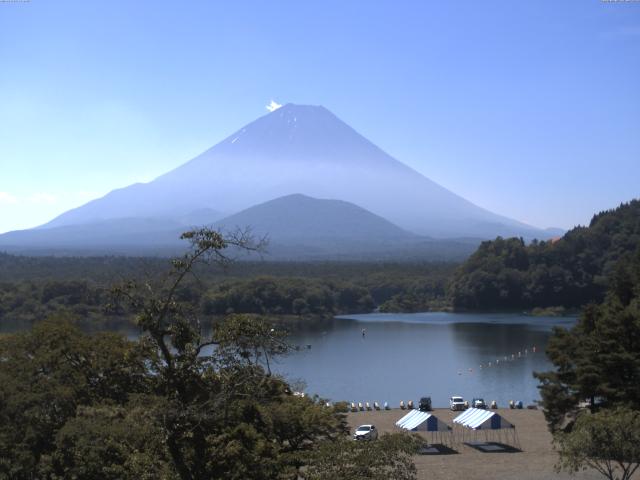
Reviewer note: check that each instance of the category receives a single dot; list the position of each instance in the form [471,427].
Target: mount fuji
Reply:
[296,149]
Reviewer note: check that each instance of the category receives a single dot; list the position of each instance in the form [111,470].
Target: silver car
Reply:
[366,432]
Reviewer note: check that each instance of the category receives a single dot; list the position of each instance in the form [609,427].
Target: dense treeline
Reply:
[599,358]
[111,269]
[502,274]
[288,296]
[24,303]
[591,399]
[298,289]
[569,272]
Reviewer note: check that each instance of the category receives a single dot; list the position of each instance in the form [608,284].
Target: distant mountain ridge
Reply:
[301,218]
[298,227]
[301,149]
[253,177]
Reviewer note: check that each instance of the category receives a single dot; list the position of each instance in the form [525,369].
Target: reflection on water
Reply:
[406,356]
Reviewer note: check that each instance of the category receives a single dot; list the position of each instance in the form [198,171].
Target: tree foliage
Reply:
[389,457]
[47,374]
[287,296]
[608,441]
[35,288]
[570,272]
[183,402]
[599,358]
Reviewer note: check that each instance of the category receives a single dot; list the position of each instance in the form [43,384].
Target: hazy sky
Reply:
[528,108]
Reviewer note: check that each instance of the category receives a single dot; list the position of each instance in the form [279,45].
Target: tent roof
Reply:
[407,418]
[479,419]
[417,420]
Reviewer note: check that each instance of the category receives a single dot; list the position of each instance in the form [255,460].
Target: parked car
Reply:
[479,403]
[456,403]
[366,432]
[425,404]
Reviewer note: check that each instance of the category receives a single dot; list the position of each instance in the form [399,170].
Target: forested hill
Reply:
[570,272]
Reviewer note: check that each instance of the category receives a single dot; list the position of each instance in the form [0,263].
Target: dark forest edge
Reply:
[544,278]
[566,273]
[35,288]
[591,399]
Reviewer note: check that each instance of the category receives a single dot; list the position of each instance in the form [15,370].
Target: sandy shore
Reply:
[535,461]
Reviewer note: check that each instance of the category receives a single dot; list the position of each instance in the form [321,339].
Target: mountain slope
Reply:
[302,219]
[121,235]
[298,228]
[304,149]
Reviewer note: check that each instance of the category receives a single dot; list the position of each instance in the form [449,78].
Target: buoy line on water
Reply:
[501,360]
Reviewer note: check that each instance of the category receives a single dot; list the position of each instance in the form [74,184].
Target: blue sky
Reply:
[529,108]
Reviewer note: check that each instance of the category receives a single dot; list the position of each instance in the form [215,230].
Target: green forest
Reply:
[503,274]
[33,288]
[569,272]
[591,398]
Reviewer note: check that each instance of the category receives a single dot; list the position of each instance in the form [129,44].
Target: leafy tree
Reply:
[598,359]
[608,441]
[219,402]
[47,374]
[185,401]
[571,271]
[388,457]
[113,443]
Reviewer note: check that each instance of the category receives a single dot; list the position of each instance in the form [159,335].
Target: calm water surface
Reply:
[406,356]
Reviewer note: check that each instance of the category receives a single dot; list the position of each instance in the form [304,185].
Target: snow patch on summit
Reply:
[273,106]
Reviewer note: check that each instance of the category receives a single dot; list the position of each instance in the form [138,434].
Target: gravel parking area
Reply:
[535,461]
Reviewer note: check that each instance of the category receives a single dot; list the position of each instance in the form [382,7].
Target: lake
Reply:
[406,356]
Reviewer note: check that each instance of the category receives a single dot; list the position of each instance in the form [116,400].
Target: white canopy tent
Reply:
[417,421]
[494,426]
